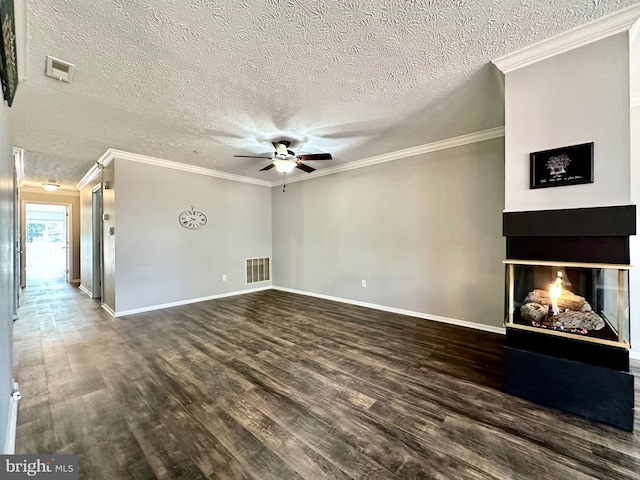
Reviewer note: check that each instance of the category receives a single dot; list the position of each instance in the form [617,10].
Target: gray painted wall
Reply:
[425,233]
[108,240]
[157,261]
[577,97]
[7,251]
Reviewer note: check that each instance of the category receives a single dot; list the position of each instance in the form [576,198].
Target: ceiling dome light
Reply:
[50,186]
[284,166]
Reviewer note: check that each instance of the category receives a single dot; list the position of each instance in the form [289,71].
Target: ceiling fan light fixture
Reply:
[284,166]
[50,186]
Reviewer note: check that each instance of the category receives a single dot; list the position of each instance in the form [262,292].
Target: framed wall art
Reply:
[562,166]
[9,62]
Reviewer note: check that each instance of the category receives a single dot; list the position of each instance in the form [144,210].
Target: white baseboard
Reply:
[108,309]
[426,316]
[75,280]
[85,290]
[437,318]
[12,425]
[151,308]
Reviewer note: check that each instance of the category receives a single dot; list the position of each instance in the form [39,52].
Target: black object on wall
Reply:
[619,221]
[562,166]
[570,249]
[596,393]
[600,355]
[579,377]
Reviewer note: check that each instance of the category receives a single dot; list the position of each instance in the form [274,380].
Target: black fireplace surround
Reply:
[583,378]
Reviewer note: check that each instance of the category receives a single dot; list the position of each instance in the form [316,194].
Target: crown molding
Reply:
[400,154]
[103,160]
[134,157]
[635,100]
[111,154]
[617,22]
[89,176]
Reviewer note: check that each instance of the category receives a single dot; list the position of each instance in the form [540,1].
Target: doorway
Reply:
[46,242]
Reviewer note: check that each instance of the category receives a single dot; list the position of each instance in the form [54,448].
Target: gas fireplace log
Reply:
[568,320]
[577,320]
[567,301]
[534,311]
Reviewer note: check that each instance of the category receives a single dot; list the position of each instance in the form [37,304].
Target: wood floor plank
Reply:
[272,385]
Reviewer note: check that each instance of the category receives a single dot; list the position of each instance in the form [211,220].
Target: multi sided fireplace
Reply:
[585,301]
[567,311]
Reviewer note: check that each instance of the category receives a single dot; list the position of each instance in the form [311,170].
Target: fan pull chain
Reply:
[284,183]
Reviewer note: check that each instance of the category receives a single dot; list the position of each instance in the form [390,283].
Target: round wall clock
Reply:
[192,218]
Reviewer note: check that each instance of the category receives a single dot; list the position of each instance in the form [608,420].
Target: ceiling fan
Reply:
[285,160]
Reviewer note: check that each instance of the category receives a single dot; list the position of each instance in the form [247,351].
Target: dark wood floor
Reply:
[272,385]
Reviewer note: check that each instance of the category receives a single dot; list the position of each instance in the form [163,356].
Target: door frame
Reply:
[68,232]
[96,247]
[17,232]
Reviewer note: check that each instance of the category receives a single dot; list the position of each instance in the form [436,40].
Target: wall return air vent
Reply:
[59,69]
[258,270]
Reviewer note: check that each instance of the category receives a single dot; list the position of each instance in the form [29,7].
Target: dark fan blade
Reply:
[268,167]
[249,156]
[305,168]
[315,156]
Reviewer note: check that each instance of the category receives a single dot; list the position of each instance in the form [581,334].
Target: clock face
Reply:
[192,219]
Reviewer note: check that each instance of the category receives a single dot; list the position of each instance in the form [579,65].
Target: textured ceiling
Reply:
[356,78]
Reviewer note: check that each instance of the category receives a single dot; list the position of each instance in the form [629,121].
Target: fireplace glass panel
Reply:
[587,301]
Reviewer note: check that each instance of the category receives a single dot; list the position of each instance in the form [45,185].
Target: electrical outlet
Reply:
[224,278]
[364,284]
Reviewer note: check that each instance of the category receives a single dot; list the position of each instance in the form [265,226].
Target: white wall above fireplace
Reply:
[579,96]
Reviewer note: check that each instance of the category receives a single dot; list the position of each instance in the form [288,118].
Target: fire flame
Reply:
[555,292]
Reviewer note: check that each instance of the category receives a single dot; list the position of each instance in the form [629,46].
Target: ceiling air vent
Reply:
[59,69]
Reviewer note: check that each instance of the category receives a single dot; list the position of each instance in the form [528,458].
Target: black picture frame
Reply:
[558,167]
[8,55]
